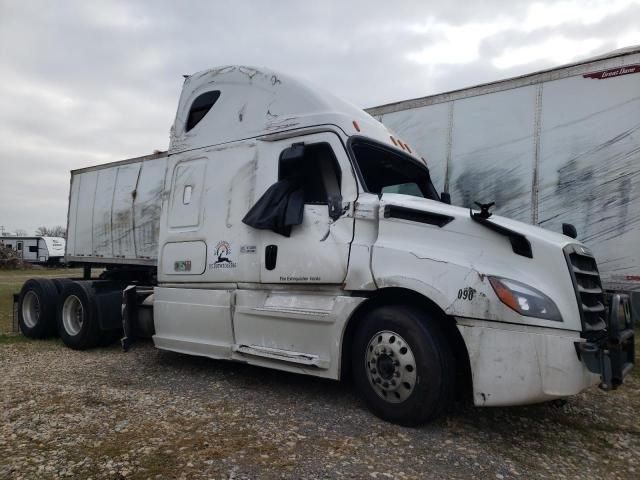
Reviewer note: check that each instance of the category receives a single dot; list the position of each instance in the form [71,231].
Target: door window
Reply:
[317,173]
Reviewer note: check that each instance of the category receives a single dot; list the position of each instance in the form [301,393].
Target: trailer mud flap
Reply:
[613,355]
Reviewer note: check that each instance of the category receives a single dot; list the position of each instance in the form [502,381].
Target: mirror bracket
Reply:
[335,206]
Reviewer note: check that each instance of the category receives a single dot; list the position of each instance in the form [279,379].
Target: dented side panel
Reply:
[147,205]
[114,212]
[122,211]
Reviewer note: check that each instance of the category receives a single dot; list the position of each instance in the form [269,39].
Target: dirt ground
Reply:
[105,414]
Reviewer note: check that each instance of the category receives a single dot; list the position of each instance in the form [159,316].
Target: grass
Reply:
[11,282]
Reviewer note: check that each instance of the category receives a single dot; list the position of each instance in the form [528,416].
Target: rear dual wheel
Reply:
[402,365]
[37,308]
[78,324]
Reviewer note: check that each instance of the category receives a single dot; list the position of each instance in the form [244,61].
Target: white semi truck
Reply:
[285,228]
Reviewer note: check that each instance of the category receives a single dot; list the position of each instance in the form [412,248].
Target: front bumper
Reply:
[521,364]
[611,355]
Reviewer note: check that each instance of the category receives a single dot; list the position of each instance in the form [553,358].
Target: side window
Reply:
[200,107]
[317,172]
[19,246]
[186,195]
[33,249]
[405,188]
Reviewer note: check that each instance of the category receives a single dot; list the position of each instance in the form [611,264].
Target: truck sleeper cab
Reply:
[296,232]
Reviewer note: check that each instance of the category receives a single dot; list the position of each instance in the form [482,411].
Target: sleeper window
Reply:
[200,107]
[317,172]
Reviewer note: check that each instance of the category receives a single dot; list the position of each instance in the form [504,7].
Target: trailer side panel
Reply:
[114,212]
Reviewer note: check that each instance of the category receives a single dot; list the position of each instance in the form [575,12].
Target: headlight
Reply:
[524,299]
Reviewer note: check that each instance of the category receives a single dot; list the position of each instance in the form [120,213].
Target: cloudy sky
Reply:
[89,82]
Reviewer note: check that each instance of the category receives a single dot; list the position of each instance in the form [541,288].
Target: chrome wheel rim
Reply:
[72,315]
[30,309]
[390,366]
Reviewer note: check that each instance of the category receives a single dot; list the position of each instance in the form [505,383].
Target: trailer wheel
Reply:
[403,367]
[37,308]
[78,324]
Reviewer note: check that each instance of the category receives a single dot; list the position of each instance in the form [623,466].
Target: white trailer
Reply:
[39,250]
[287,229]
[114,212]
[552,147]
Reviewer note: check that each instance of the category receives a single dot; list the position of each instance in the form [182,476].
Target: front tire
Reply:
[402,365]
[78,324]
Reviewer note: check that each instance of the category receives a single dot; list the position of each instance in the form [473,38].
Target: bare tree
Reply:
[20,233]
[57,231]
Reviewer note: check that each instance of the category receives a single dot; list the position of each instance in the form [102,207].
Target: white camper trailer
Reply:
[42,250]
[286,228]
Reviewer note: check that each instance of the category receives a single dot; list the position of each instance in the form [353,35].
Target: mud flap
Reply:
[129,307]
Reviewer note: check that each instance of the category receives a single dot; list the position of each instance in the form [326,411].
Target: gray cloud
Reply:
[91,82]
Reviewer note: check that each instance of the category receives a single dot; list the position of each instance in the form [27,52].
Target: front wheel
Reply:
[403,367]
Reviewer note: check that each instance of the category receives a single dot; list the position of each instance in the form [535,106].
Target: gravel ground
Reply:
[153,414]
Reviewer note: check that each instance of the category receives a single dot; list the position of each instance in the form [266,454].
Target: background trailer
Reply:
[49,250]
[560,145]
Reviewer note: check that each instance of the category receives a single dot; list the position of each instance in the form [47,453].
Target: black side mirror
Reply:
[569,230]
[445,197]
[335,206]
[293,154]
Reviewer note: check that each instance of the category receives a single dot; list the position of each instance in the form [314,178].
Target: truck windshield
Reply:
[387,171]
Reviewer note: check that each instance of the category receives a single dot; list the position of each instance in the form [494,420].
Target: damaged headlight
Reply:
[524,299]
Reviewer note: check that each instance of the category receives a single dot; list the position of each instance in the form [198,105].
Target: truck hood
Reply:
[464,222]
[444,251]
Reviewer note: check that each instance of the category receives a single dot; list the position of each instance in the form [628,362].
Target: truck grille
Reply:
[588,288]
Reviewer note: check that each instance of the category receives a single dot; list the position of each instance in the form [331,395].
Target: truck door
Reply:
[317,250]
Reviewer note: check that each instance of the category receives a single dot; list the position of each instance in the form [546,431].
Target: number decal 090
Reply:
[466,293]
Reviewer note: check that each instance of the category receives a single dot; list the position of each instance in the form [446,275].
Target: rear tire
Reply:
[78,324]
[60,283]
[402,365]
[37,308]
